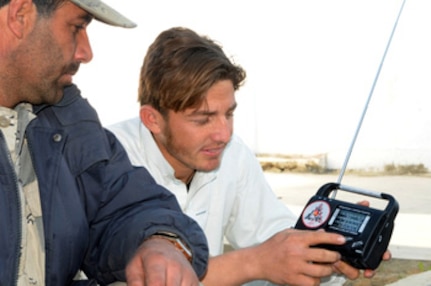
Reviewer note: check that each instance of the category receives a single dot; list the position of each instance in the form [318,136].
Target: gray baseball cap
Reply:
[104,13]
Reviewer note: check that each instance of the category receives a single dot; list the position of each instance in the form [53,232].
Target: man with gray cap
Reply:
[69,197]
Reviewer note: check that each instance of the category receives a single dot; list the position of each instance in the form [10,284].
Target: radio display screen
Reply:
[349,220]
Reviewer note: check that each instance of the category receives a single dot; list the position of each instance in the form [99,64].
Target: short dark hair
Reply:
[180,66]
[44,7]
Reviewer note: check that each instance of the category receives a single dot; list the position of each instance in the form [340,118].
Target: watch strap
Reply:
[177,242]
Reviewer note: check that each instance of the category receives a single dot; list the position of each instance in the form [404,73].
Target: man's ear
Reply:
[21,16]
[151,118]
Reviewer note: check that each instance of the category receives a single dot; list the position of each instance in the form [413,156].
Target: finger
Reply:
[322,237]
[321,255]
[368,273]
[318,270]
[364,203]
[387,255]
[347,270]
[134,273]
[177,275]
[156,275]
[135,279]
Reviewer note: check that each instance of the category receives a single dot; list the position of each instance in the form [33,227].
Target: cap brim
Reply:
[104,13]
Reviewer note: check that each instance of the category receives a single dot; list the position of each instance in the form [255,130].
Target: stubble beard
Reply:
[42,67]
[187,158]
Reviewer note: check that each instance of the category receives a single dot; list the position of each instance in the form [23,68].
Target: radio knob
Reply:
[357,244]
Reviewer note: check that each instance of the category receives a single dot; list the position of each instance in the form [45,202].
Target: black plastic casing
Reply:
[365,247]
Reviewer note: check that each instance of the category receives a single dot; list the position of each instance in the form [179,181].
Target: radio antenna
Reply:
[349,152]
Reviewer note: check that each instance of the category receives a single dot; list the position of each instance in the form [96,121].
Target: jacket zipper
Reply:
[30,150]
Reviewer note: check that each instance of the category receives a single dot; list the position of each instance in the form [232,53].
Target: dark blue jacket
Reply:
[97,208]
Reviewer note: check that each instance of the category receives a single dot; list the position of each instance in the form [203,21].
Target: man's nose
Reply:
[223,130]
[83,52]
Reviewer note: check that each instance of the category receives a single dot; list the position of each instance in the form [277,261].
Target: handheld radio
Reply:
[367,230]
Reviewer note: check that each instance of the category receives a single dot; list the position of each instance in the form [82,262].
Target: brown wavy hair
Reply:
[180,66]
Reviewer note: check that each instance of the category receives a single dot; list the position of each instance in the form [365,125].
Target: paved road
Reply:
[411,238]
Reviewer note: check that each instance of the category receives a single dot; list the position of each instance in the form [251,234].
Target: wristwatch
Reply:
[176,241]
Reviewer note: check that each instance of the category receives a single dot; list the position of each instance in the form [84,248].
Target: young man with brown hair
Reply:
[184,137]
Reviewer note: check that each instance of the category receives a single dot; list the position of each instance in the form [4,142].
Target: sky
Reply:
[310,68]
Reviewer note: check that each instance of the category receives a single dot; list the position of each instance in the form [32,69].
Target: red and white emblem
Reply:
[316,214]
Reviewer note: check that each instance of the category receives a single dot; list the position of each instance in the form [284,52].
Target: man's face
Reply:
[194,139]
[51,53]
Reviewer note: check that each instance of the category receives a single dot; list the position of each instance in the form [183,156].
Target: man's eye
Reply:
[202,121]
[79,27]
[229,115]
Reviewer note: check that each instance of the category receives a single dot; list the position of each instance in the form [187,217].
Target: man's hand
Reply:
[352,273]
[159,262]
[289,258]
[286,258]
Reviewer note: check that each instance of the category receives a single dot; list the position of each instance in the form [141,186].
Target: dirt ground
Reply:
[392,271]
